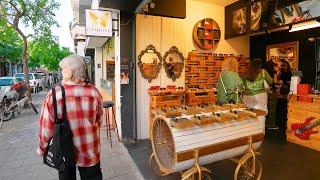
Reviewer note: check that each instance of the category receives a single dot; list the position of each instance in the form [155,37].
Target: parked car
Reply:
[45,79]
[35,81]
[5,86]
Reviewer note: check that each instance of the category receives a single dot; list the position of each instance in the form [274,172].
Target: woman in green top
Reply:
[229,83]
[255,95]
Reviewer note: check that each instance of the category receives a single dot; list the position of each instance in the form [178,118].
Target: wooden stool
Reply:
[106,106]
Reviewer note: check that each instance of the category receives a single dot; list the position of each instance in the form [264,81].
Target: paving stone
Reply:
[9,177]
[25,176]
[12,164]
[108,173]
[125,177]
[32,161]
[5,146]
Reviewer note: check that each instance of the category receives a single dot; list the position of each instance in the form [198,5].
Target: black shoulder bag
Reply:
[60,151]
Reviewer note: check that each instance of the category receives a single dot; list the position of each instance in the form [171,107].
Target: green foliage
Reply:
[10,43]
[47,53]
[35,13]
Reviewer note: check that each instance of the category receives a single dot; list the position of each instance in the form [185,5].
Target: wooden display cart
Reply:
[300,108]
[185,150]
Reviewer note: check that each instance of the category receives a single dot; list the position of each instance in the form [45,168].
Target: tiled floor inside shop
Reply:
[280,160]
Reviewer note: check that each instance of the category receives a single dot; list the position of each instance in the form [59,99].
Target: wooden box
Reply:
[223,117]
[182,123]
[303,89]
[190,110]
[202,120]
[170,112]
[305,99]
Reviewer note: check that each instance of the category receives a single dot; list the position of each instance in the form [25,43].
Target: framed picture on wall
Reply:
[239,21]
[284,52]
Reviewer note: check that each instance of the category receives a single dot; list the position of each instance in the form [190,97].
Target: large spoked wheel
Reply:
[204,176]
[192,174]
[1,121]
[249,168]
[5,115]
[163,145]
[155,167]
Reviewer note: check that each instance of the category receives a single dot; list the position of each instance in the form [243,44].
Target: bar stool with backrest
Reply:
[113,126]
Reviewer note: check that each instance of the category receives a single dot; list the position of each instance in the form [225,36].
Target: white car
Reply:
[5,86]
[35,81]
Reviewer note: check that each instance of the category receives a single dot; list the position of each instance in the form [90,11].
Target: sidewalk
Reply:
[18,158]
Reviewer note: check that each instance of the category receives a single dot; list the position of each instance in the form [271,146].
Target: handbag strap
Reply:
[55,104]
[224,88]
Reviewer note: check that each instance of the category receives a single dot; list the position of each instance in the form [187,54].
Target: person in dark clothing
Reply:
[272,98]
[285,78]
[282,104]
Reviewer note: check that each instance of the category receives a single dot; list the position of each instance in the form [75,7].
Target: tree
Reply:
[10,43]
[38,13]
[47,53]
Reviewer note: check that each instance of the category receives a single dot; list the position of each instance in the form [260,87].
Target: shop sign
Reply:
[98,23]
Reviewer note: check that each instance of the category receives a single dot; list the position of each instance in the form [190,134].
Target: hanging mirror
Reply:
[149,63]
[173,62]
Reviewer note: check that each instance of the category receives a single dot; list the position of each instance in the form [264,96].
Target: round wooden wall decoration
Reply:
[206,33]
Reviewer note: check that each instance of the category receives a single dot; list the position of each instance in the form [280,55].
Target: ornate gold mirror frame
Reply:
[173,62]
[149,63]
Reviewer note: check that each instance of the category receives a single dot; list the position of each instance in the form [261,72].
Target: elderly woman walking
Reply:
[229,83]
[84,112]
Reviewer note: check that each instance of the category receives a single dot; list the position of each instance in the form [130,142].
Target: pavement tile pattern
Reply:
[19,141]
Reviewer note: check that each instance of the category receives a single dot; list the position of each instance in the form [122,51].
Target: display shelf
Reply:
[298,112]
[202,71]
[164,98]
[206,33]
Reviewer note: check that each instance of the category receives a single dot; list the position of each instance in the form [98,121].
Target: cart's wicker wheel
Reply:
[154,166]
[204,176]
[193,174]
[163,146]
[245,169]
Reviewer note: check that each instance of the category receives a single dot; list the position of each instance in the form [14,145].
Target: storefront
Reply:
[210,33]
[164,70]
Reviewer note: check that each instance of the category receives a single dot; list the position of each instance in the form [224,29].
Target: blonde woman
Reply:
[229,82]
[84,112]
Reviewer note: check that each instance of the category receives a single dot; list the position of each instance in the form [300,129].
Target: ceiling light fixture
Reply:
[304,25]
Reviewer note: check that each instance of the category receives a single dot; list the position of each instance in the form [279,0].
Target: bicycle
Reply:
[11,105]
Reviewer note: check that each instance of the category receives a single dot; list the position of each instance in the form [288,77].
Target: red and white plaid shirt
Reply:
[84,112]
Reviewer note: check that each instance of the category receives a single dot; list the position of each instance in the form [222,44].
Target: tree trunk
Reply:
[24,58]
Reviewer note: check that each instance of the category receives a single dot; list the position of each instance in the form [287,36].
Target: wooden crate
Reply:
[203,120]
[182,123]
[298,112]
[164,99]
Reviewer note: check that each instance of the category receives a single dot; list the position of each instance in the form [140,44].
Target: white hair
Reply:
[76,65]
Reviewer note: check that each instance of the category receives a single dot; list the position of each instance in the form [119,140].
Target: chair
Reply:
[106,106]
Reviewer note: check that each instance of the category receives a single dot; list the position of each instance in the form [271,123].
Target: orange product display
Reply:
[202,71]
[303,89]
[166,98]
